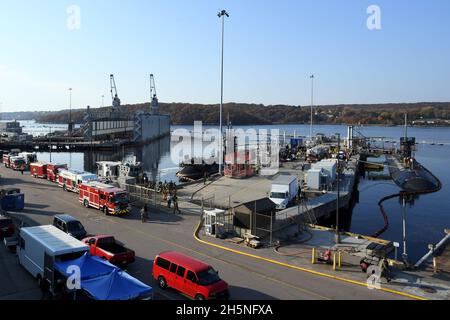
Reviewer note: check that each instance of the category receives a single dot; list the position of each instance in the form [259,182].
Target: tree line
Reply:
[258,114]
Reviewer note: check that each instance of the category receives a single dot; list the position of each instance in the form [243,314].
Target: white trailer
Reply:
[40,247]
[284,190]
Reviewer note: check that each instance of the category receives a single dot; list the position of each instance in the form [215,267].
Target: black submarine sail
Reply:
[409,174]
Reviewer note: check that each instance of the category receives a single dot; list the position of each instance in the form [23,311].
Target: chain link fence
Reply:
[140,195]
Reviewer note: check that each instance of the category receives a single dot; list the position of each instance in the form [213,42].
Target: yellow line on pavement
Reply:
[300,268]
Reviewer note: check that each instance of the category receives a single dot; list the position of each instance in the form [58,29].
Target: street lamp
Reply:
[103,100]
[222,14]
[338,238]
[312,106]
[70,111]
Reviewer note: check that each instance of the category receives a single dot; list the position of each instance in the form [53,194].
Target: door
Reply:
[190,284]
[48,268]
[180,280]
[171,278]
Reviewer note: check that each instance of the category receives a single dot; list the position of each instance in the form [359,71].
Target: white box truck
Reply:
[40,247]
[284,190]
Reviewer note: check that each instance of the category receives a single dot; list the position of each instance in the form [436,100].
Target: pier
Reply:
[75,144]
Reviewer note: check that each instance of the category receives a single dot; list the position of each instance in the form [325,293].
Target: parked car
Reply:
[70,225]
[7,227]
[188,276]
[108,248]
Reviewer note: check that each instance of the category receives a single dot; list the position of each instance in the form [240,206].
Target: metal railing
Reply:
[140,195]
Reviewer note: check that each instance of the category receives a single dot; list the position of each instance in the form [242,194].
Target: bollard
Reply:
[334,261]
[313,256]
[339,259]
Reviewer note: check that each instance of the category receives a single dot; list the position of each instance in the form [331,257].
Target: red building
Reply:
[239,164]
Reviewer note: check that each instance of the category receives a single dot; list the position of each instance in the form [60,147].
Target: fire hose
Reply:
[404,194]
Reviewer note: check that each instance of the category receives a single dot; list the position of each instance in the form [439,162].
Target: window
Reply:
[208,277]
[191,276]
[163,263]
[64,227]
[180,271]
[173,267]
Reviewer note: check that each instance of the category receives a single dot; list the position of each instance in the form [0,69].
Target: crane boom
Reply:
[114,96]
[154,105]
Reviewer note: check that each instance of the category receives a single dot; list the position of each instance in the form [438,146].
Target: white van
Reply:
[39,247]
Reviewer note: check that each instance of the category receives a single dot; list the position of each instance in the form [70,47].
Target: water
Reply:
[426,218]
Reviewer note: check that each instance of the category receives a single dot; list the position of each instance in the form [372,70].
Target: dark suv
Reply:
[6,227]
[70,225]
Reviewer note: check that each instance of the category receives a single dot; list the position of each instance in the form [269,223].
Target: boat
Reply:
[193,172]
[407,172]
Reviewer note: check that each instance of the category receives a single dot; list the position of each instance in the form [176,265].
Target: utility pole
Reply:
[50,140]
[338,238]
[312,106]
[70,112]
[222,14]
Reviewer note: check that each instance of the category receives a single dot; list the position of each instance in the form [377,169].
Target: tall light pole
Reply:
[70,111]
[103,100]
[222,14]
[312,106]
[338,237]
[404,254]
[50,140]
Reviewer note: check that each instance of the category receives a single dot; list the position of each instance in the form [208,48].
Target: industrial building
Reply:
[113,123]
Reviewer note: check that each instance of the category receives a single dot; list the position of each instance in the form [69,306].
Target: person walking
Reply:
[384,269]
[175,204]
[144,213]
[169,200]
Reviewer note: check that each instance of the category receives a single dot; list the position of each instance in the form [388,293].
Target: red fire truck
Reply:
[53,170]
[17,163]
[105,197]
[39,170]
[70,180]
[6,158]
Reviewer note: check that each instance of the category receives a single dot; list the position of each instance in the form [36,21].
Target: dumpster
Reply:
[13,202]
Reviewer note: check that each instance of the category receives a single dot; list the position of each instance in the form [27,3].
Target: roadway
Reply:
[249,279]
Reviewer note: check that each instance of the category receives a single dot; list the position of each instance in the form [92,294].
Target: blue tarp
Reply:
[104,281]
[90,267]
[118,285]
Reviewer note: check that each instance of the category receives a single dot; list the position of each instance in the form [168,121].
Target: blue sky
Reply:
[271,47]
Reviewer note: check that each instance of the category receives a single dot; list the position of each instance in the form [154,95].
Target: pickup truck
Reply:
[108,248]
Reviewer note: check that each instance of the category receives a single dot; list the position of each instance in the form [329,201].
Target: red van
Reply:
[191,277]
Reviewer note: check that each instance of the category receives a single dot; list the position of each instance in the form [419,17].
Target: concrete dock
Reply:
[225,193]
